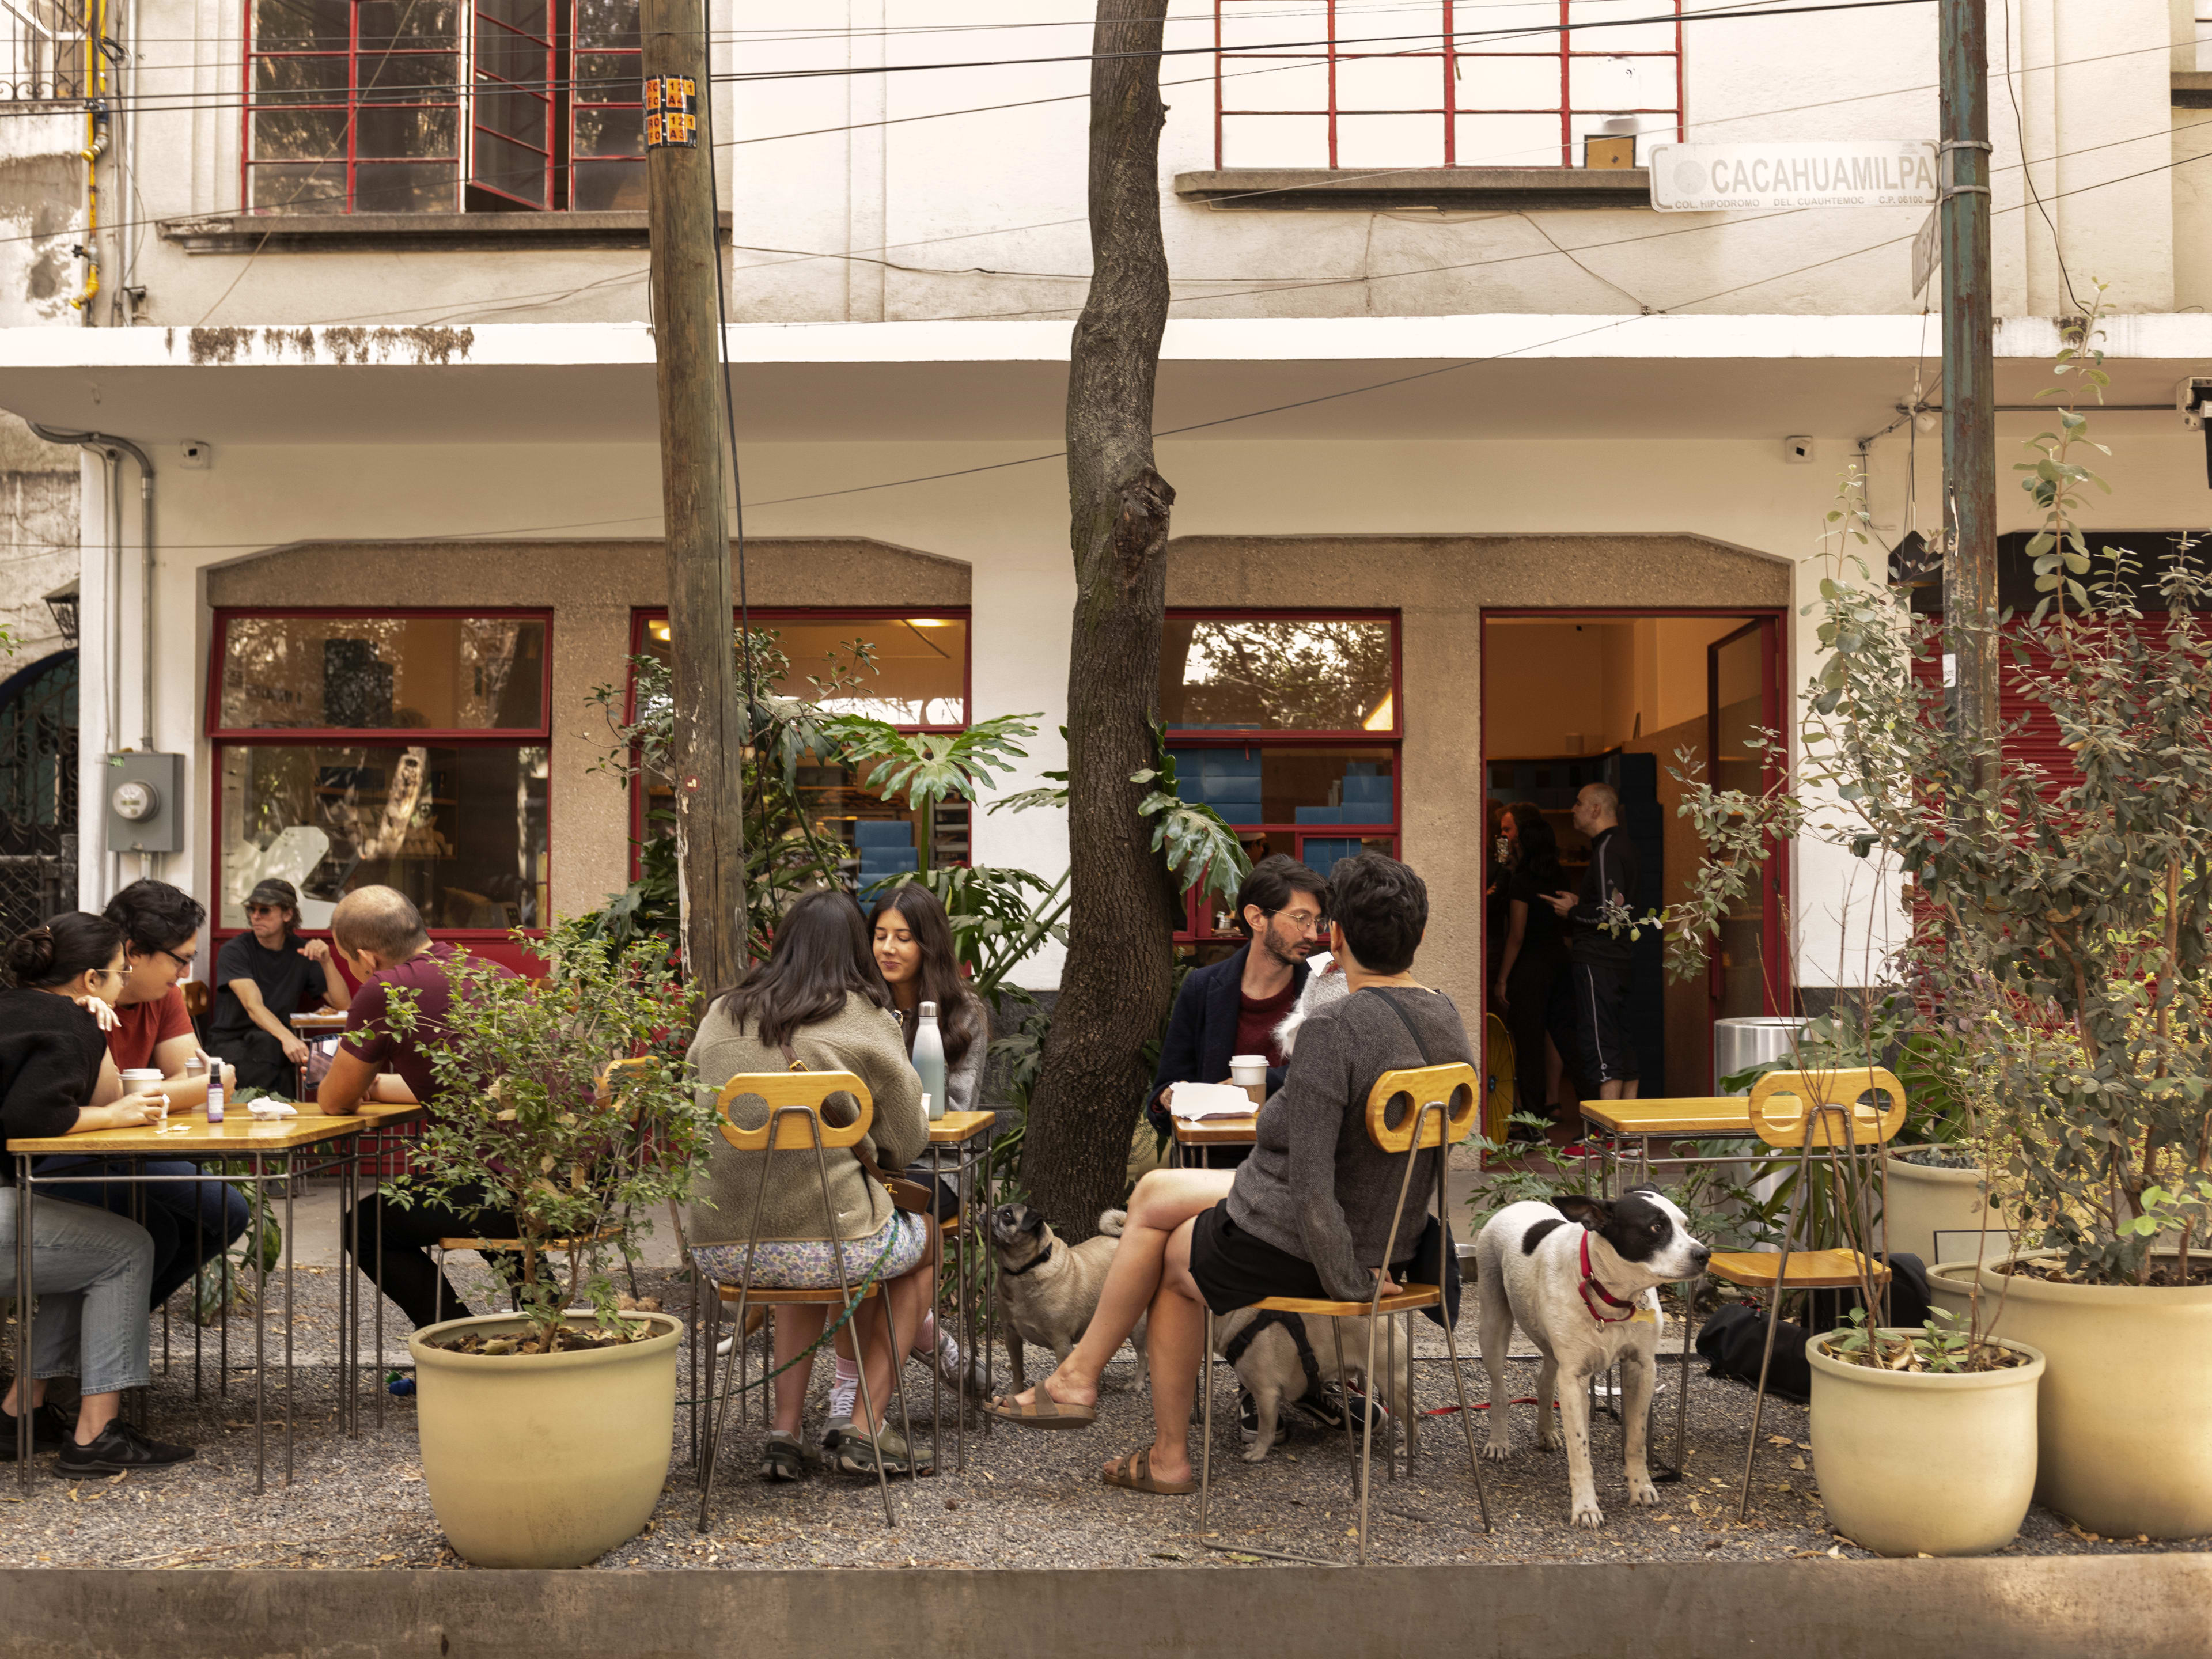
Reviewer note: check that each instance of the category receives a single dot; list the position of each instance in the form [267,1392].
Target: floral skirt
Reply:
[810,1264]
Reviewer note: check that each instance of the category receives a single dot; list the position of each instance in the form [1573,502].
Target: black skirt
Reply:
[1234,1269]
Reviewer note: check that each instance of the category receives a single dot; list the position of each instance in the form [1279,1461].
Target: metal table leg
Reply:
[26,1295]
[291,1161]
[261,1333]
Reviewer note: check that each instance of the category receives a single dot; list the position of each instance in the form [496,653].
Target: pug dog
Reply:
[1050,1288]
[1282,1358]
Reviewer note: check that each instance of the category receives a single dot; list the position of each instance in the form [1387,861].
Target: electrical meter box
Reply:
[143,797]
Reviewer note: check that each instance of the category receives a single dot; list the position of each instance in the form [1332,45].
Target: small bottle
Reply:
[215,1093]
[929,1059]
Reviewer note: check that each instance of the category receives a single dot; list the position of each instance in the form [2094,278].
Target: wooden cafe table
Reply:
[1702,1117]
[326,1144]
[960,1146]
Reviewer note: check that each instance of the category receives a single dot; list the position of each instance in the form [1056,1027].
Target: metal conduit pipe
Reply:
[109,447]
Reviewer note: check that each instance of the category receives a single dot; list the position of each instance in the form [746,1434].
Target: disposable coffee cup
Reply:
[145,1080]
[1247,1071]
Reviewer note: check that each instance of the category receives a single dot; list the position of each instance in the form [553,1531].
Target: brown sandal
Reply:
[1041,1413]
[1134,1474]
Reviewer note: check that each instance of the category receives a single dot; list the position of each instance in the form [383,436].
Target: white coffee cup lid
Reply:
[143,1074]
[1248,1059]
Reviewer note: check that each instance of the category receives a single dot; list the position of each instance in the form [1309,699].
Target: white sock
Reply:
[844,1386]
[925,1340]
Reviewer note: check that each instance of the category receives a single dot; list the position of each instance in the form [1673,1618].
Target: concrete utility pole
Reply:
[705,757]
[1970,477]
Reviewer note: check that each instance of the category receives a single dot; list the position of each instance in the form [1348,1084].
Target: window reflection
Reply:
[1276,675]
[429,673]
[460,830]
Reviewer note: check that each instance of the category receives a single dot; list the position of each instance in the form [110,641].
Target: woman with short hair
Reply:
[91,1270]
[262,978]
[817,1003]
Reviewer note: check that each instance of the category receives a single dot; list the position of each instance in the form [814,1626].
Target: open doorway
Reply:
[1647,701]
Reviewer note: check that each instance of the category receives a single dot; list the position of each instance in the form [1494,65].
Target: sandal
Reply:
[856,1456]
[782,1458]
[1041,1413]
[1134,1474]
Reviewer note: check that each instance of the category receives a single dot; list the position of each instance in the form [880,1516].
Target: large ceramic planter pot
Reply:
[1920,1462]
[543,1460]
[1936,1214]
[1951,1288]
[2126,1438]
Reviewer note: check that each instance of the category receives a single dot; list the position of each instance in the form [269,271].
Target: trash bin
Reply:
[1741,1043]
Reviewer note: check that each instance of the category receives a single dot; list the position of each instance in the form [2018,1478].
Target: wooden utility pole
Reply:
[1970,437]
[1113,990]
[705,757]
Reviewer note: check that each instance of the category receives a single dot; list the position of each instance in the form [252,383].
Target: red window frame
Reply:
[497,944]
[1198,920]
[489,91]
[642,618]
[1447,56]
[349,102]
[567,99]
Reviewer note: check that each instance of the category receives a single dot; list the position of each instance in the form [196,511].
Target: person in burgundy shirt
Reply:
[380,934]
[191,1225]
[1234,1006]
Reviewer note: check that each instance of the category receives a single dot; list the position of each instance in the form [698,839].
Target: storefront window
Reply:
[444,794]
[908,670]
[1326,687]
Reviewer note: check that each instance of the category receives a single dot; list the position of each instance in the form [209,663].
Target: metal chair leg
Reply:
[1682,1404]
[1344,1392]
[1466,1422]
[898,1388]
[1206,1434]
[710,1448]
[1367,1439]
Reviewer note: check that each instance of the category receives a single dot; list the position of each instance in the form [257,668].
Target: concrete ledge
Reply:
[442,233]
[2192,89]
[1345,190]
[2046,1607]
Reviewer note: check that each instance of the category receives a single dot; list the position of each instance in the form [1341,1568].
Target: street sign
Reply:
[1927,248]
[1720,178]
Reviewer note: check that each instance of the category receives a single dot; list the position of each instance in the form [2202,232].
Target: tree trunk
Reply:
[1113,990]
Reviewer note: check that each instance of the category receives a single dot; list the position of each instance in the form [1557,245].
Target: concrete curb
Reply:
[2044,1607]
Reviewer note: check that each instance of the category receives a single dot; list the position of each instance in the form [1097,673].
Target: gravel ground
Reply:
[1026,1498]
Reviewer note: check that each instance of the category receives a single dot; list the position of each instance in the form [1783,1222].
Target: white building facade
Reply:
[1438,396]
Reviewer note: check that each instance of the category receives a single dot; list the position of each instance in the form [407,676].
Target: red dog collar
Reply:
[1590,1284]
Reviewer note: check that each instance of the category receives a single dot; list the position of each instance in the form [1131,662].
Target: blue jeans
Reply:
[191,1223]
[90,1272]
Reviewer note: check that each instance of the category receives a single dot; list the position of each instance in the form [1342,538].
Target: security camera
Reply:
[1797,452]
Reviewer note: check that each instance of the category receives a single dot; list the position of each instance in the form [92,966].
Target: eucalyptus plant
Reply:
[2058,936]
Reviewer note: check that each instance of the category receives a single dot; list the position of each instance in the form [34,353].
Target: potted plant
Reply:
[564,1102]
[1924,1439]
[1936,1200]
[2061,930]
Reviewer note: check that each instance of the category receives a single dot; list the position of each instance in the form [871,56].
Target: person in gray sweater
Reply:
[817,1004]
[1308,1214]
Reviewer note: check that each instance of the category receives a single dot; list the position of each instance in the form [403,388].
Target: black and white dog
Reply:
[1588,1296]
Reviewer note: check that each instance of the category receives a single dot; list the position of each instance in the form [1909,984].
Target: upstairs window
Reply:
[443,105]
[1520,83]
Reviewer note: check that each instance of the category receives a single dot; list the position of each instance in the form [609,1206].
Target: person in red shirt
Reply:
[191,1225]
[379,933]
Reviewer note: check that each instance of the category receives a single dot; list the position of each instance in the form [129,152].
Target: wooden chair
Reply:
[795,1100]
[1501,1063]
[1824,1112]
[1439,1106]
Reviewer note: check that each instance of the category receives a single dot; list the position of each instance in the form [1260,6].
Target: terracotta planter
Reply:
[1914,1463]
[1936,1214]
[2126,1415]
[544,1460]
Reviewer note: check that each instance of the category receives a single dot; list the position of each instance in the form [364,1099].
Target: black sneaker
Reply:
[1332,1407]
[1247,1420]
[52,1428]
[119,1448]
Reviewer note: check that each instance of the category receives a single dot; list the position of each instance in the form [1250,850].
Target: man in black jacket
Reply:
[1597,956]
[1234,1006]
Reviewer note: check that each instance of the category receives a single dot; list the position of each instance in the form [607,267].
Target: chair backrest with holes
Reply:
[807,1088]
[1412,1088]
[1788,1108]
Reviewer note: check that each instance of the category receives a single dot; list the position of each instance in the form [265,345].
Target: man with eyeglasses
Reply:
[1234,1006]
[191,1225]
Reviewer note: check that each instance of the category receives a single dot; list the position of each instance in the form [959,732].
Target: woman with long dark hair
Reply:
[1535,954]
[92,1271]
[817,1003]
[912,938]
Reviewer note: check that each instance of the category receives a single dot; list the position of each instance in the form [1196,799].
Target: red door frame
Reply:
[1780,995]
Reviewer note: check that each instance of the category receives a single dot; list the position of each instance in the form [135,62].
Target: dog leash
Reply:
[1590,1283]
